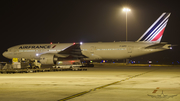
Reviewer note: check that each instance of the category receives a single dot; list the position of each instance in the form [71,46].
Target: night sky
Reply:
[66,21]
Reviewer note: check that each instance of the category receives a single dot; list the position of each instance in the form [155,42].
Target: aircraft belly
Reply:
[112,54]
[144,51]
[107,54]
[117,54]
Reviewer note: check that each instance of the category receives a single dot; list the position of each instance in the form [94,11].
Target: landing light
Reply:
[37,54]
[60,62]
[81,43]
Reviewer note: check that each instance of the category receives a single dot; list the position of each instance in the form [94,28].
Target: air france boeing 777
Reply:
[149,42]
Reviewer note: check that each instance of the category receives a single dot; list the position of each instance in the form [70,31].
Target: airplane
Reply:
[162,96]
[47,54]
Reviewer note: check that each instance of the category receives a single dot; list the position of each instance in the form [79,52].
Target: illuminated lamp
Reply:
[37,54]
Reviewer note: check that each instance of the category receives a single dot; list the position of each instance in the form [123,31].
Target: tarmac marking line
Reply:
[73,96]
[94,89]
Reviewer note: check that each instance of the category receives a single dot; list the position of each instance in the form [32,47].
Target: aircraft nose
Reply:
[5,54]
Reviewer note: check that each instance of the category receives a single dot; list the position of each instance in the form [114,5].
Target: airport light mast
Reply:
[126,10]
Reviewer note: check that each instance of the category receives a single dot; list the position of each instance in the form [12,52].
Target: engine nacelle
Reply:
[48,59]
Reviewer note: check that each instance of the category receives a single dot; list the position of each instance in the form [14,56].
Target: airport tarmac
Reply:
[101,83]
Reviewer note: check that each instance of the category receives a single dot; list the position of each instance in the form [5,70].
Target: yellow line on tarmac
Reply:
[94,89]
[73,96]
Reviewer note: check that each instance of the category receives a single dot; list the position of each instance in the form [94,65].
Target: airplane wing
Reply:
[171,96]
[73,51]
[151,95]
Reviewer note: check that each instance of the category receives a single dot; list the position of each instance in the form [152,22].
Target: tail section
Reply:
[156,30]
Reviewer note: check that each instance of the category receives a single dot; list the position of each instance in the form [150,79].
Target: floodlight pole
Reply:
[126,27]
[126,10]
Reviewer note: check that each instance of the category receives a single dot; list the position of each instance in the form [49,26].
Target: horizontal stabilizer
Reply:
[158,46]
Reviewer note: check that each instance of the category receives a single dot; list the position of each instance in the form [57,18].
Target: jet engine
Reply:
[48,59]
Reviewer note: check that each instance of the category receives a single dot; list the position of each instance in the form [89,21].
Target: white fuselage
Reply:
[94,51]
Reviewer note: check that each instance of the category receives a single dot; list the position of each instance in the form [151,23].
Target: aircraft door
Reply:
[15,51]
[129,49]
[92,49]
